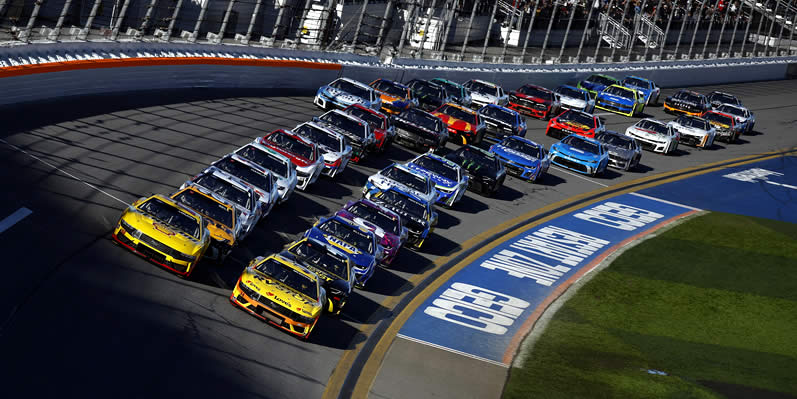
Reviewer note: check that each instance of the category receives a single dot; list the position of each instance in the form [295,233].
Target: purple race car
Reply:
[384,223]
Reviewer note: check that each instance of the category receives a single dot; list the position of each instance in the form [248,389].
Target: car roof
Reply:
[322,128]
[523,139]
[485,82]
[393,82]
[228,177]
[356,82]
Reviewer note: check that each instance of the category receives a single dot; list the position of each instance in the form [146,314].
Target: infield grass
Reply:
[712,303]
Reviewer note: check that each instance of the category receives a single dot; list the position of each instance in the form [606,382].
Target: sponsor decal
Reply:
[341,244]
[162,228]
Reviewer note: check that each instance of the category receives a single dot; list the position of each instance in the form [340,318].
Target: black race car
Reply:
[330,264]
[686,102]
[717,98]
[486,171]
[420,130]
[430,95]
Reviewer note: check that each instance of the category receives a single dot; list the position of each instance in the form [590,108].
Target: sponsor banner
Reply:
[482,308]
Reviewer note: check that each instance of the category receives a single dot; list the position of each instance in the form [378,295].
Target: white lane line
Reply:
[453,351]
[63,171]
[780,184]
[14,218]
[580,177]
[665,201]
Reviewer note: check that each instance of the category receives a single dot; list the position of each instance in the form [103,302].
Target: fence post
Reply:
[252,22]
[224,21]
[57,29]
[2,7]
[758,32]
[747,29]
[780,34]
[548,32]
[145,21]
[408,25]
[359,24]
[663,42]
[278,22]
[489,28]
[509,30]
[173,20]
[622,19]
[32,20]
[667,32]
[119,20]
[426,28]
[633,34]
[584,32]
[383,25]
[772,23]
[448,25]
[683,25]
[470,26]
[791,32]
[735,26]
[722,29]
[567,30]
[602,30]
[93,13]
[694,32]
[199,20]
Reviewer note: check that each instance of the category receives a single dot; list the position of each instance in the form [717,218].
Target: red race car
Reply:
[575,122]
[462,122]
[535,101]
[380,123]
[302,153]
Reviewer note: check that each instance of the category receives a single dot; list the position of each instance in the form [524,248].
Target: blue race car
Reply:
[650,92]
[417,215]
[449,178]
[501,122]
[595,83]
[581,155]
[344,92]
[620,100]
[522,157]
[359,244]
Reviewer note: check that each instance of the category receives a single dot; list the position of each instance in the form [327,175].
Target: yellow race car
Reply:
[163,232]
[220,217]
[281,292]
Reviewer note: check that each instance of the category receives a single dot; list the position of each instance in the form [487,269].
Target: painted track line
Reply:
[465,354]
[579,176]
[665,201]
[14,218]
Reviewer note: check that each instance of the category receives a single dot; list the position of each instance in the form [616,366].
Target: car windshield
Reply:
[522,146]
[604,80]
[424,89]
[475,160]
[373,119]
[687,96]
[320,256]
[581,144]
[481,87]
[536,92]
[264,159]
[244,172]
[458,113]
[436,166]
[619,91]
[320,136]
[452,89]
[500,113]
[403,203]
[290,277]
[347,124]
[349,234]
[692,121]
[390,88]
[350,88]
[422,119]
[206,206]
[719,118]
[723,98]
[406,178]
[616,140]
[225,189]
[652,126]
[386,222]
[636,82]
[577,117]
[729,109]
[295,146]
[570,92]
[171,215]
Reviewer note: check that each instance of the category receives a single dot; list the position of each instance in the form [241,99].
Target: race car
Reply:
[686,102]
[694,131]
[330,264]
[263,181]
[463,123]
[717,98]
[304,154]
[428,95]
[743,118]
[280,292]
[361,136]
[486,172]
[620,100]
[395,96]
[383,130]
[483,93]
[624,152]
[580,154]
[420,130]
[535,101]
[595,83]
[416,214]
[522,157]
[501,122]
[343,92]
[383,222]
[279,165]
[574,98]
[332,145]
[164,232]
[230,190]
[451,181]
[357,242]
[725,125]
[222,222]
[456,92]
[574,122]
[398,175]
[646,87]
[654,135]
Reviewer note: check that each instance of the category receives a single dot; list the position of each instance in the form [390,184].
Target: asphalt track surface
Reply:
[83,317]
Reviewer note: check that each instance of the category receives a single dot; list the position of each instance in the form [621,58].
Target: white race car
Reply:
[694,131]
[332,145]
[279,165]
[406,179]
[483,93]
[575,98]
[654,135]
[745,119]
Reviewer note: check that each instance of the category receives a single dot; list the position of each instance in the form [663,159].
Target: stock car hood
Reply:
[647,134]
[575,153]
[572,126]
[573,102]
[420,130]
[173,238]
[477,169]
[436,178]
[350,135]
[587,85]
[616,99]
[624,153]
[412,222]
[531,98]
[644,91]
[454,123]
[342,96]
[330,155]
[483,97]
[360,258]
[434,102]
[688,129]
[678,103]
[515,155]
[296,159]
[279,293]
[720,126]
[400,102]
[379,232]
[384,183]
